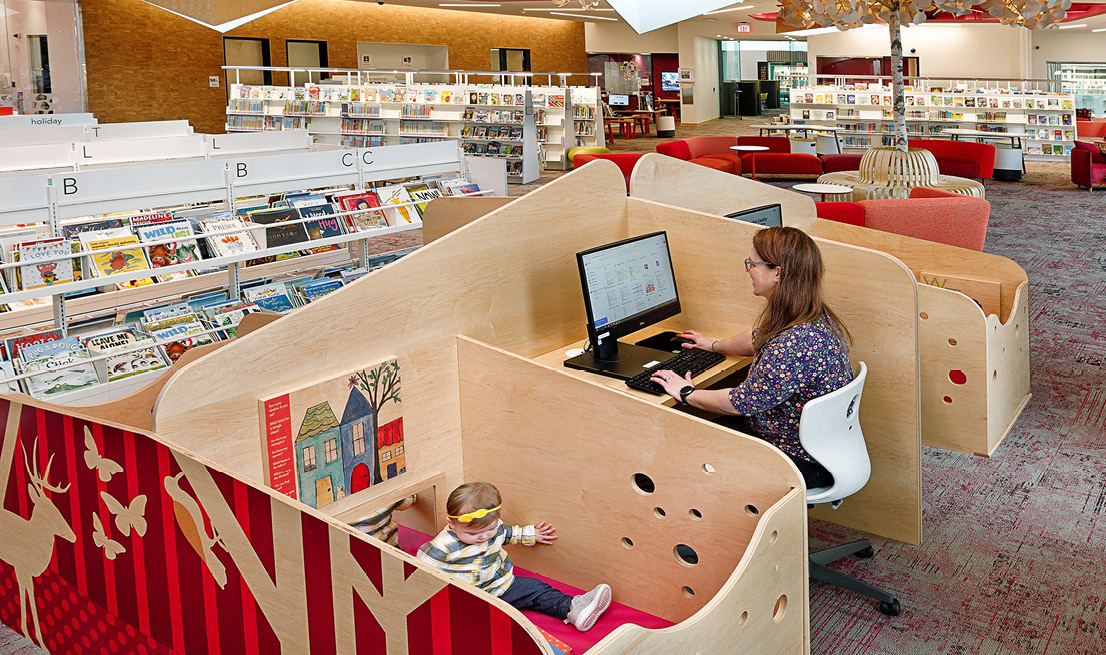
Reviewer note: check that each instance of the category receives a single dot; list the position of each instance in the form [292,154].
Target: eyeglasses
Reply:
[750,263]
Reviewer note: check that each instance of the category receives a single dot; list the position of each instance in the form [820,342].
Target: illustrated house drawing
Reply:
[319,457]
[393,461]
[359,461]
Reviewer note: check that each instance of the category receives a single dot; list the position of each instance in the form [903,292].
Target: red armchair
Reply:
[625,161]
[1088,165]
[960,158]
[930,214]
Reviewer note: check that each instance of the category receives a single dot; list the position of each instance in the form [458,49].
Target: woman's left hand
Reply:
[670,382]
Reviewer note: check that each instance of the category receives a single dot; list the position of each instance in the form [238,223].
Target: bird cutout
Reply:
[127,517]
[104,466]
[111,547]
[191,521]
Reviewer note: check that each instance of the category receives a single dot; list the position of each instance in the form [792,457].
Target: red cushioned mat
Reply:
[616,615]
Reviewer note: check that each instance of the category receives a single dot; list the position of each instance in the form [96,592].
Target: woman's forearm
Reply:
[712,400]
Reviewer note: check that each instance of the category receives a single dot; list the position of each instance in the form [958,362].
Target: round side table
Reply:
[753,150]
[824,189]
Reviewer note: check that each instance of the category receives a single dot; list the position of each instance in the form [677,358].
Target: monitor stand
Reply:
[625,363]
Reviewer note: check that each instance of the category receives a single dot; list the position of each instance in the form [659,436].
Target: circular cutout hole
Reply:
[775,535]
[952,342]
[742,619]
[708,469]
[686,554]
[659,512]
[923,316]
[957,377]
[643,484]
[751,510]
[948,400]
[627,542]
[687,591]
[781,609]
[695,514]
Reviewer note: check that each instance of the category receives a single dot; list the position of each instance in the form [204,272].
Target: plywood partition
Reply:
[975,367]
[509,279]
[579,457]
[443,215]
[877,298]
[676,182]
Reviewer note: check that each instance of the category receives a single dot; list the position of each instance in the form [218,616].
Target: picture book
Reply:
[13,346]
[328,225]
[231,243]
[123,256]
[397,195]
[280,235]
[166,311]
[7,370]
[463,188]
[150,218]
[100,343]
[48,348]
[176,340]
[423,193]
[232,316]
[319,288]
[54,379]
[121,365]
[71,230]
[38,272]
[359,222]
[334,437]
[182,250]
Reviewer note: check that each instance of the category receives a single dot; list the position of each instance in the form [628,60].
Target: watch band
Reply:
[685,392]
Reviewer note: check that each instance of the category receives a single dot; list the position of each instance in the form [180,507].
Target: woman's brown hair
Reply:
[798,296]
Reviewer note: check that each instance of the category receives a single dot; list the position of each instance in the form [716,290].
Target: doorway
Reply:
[240,51]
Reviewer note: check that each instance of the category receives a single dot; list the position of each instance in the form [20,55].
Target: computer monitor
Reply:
[670,81]
[768,215]
[618,100]
[628,285]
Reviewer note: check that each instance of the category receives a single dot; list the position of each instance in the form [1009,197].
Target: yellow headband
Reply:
[477,514]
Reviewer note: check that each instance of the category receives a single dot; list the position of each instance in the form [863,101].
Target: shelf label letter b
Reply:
[68,186]
[242,169]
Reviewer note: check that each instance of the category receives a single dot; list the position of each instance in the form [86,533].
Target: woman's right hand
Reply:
[699,340]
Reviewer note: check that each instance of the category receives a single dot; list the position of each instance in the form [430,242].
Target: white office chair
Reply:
[829,430]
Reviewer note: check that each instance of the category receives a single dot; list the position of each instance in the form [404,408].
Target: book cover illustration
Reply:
[55,380]
[42,349]
[230,317]
[424,194]
[127,364]
[280,235]
[231,243]
[123,255]
[317,289]
[183,250]
[367,220]
[335,437]
[150,218]
[99,343]
[176,340]
[38,272]
[395,195]
[328,225]
[73,229]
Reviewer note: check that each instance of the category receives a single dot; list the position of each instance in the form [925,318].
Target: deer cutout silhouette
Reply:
[28,545]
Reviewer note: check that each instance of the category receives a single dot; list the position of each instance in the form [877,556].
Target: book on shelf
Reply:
[50,348]
[327,224]
[395,195]
[124,255]
[55,380]
[225,245]
[362,221]
[40,268]
[182,250]
[423,193]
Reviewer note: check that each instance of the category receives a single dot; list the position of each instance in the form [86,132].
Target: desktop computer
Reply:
[768,215]
[618,100]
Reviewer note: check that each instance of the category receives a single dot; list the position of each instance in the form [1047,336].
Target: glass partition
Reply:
[41,57]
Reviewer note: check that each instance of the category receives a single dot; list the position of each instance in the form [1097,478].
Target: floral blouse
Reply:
[802,362]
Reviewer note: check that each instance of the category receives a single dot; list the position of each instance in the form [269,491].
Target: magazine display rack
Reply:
[463,317]
[974,364]
[1043,121]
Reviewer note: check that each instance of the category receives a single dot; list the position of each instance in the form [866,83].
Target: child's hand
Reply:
[546,534]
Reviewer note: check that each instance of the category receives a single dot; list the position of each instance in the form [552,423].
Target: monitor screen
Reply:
[768,215]
[616,100]
[629,284]
[670,81]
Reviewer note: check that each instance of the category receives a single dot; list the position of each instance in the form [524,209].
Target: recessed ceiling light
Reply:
[456,4]
[722,11]
[1068,27]
[561,13]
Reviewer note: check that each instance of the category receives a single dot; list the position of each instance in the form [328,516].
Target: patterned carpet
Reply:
[1013,559]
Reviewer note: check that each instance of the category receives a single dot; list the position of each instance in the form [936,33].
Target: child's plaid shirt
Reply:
[485,565]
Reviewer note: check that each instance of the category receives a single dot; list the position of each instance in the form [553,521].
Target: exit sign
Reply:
[744,27]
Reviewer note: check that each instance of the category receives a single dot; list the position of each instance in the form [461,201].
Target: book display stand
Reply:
[1043,122]
[972,313]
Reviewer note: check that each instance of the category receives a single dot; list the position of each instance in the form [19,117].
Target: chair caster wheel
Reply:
[890,609]
[867,553]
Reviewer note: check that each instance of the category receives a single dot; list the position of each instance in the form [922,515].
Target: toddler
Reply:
[471,548]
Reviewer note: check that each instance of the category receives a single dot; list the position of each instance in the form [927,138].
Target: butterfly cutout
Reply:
[127,517]
[93,460]
[111,547]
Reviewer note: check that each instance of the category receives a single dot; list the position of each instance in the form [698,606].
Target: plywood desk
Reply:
[729,366]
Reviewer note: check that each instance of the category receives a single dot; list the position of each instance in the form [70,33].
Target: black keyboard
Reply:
[695,360]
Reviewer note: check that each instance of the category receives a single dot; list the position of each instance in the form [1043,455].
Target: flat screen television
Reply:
[670,81]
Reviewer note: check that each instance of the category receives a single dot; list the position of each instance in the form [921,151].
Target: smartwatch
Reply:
[685,392]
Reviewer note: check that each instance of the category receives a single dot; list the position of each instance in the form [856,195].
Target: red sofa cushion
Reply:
[777,163]
[1096,155]
[678,149]
[835,163]
[710,145]
[842,212]
[930,192]
[960,221]
[732,157]
[981,154]
[717,164]
[780,144]
[957,167]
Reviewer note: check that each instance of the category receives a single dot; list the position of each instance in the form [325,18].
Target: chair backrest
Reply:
[829,429]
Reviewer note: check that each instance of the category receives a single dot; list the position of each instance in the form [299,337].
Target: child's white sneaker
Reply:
[587,608]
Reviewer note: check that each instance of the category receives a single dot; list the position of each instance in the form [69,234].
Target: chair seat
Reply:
[716,164]
[732,157]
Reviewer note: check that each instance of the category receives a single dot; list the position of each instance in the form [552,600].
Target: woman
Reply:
[800,347]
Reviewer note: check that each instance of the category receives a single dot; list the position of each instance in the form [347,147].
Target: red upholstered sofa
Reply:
[711,150]
[930,214]
[1088,165]
[625,160]
[960,158]
[1094,128]
[835,163]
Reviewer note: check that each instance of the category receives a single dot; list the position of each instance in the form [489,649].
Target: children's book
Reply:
[423,193]
[395,195]
[182,250]
[48,349]
[232,316]
[100,343]
[280,235]
[55,380]
[176,340]
[368,220]
[319,288]
[126,364]
[232,243]
[463,188]
[13,346]
[327,225]
[37,271]
[150,218]
[73,229]
[123,255]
